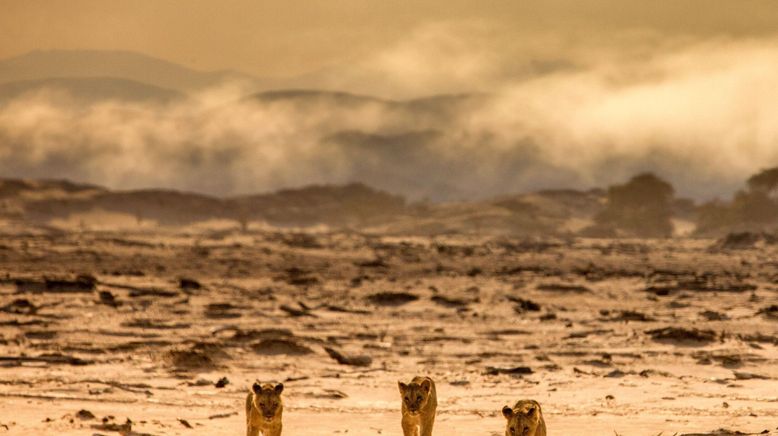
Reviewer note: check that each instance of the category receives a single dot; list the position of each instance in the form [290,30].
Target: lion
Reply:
[419,403]
[524,419]
[264,410]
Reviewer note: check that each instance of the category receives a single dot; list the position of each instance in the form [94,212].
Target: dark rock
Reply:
[20,306]
[391,298]
[523,305]
[278,346]
[449,302]
[349,360]
[562,287]
[682,336]
[517,370]
[189,284]
[85,415]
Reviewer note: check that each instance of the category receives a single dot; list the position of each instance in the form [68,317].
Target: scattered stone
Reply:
[20,306]
[252,335]
[587,333]
[770,311]
[627,315]
[188,284]
[41,334]
[188,360]
[222,382]
[391,299]
[146,323]
[222,311]
[749,376]
[328,394]
[85,415]
[107,425]
[278,346]
[199,356]
[152,292]
[472,272]
[725,359]
[449,302]
[51,358]
[712,315]
[108,299]
[683,336]
[222,415]
[299,277]
[517,370]
[360,360]
[82,283]
[759,337]
[375,263]
[562,287]
[523,305]
[295,312]
[342,309]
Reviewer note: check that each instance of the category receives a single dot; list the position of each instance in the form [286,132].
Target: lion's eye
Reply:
[513,431]
[418,398]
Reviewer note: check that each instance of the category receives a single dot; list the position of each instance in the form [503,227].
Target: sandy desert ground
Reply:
[613,337]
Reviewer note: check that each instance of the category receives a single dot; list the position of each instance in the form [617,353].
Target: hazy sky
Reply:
[580,93]
[290,37]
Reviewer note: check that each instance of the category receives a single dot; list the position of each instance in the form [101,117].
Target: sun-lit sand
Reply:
[576,325]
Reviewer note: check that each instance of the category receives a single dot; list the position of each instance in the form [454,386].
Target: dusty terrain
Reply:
[611,337]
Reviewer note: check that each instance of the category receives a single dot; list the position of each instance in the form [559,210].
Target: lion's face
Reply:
[523,420]
[267,399]
[415,395]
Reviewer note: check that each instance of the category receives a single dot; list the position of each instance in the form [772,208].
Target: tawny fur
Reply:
[419,403]
[524,419]
[264,410]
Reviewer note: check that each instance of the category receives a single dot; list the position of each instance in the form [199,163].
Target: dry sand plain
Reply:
[612,337]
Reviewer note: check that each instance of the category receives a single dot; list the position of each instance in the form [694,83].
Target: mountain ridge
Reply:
[122,64]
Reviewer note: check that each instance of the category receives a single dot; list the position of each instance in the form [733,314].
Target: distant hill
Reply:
[353,206]
[309,97]
[41,201]
[127,65]
[90,90]
[543,213]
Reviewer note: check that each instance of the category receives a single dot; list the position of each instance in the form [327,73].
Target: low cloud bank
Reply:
[542,114]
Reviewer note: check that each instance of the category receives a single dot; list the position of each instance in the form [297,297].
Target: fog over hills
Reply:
[128,121]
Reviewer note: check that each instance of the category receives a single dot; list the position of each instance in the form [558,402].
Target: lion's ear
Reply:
[507,412]
[402,387]
[279,388]
[531,412]
[426,385]
[256,388]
